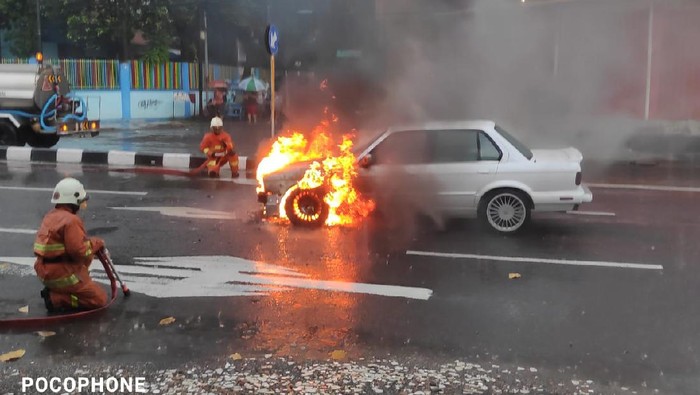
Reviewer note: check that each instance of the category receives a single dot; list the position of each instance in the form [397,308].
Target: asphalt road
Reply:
[608,296]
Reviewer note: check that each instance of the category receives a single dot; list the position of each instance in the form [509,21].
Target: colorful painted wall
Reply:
[135,89]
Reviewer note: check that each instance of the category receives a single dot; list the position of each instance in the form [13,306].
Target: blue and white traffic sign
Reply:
[272,39]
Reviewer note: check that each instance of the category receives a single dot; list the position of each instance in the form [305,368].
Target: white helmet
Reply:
[69,191]
[217,122]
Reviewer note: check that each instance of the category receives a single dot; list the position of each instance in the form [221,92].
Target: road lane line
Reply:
[663,188]
[184,212]
[624,265]
[20,231]
[593,213]
[97,191]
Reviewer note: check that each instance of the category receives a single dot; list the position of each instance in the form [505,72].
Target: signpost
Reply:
[272,44]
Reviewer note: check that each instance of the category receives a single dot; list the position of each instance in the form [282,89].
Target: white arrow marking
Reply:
[273,40]
[183,212]
[206,276]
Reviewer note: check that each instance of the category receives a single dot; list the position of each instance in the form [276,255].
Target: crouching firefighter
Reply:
[64,253]
[219,149]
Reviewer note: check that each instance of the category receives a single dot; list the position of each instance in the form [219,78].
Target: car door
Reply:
[461,162]
[396,172]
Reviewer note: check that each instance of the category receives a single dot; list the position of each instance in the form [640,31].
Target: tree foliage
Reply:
[108,26]
[18,20]
[113,23]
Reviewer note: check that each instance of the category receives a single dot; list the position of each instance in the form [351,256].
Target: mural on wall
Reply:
[156,105]
[150,104]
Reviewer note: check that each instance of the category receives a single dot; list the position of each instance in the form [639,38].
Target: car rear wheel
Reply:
[505,211]
[305,207]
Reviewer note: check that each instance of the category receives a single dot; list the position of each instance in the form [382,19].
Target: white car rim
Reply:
[506,212]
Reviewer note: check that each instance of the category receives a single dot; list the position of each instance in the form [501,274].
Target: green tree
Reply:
[113,23]
[20,26]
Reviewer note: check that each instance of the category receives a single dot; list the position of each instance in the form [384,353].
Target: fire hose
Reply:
[106,260]
[220,161]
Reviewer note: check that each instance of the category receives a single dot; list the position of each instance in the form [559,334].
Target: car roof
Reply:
[445,125]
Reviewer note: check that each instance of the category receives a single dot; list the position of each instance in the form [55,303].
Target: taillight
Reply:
[578,178]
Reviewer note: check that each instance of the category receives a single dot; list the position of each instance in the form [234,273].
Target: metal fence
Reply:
[103,74]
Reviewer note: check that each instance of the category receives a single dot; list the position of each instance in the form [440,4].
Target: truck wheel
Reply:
[305,207]
[42,140]
[8,134]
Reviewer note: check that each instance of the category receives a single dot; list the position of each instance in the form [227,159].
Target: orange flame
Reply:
[334,165]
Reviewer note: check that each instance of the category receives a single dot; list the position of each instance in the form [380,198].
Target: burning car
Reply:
[312,181]
[469,168]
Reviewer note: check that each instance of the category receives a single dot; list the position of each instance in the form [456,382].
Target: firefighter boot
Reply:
[47,300]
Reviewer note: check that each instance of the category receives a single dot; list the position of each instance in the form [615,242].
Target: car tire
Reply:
[305,207]
[505,211]
[8,135]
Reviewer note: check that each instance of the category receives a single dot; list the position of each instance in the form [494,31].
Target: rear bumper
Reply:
[66,128]
[587,196]
[562,201]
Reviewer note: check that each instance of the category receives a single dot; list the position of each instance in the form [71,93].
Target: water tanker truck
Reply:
[36,107]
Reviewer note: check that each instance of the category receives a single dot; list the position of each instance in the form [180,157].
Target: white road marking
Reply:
[89,191]
[593,213]
[664,188]
[207,276]
[537,260]
[183,212]
[246,181]
[20,231]
[239,180]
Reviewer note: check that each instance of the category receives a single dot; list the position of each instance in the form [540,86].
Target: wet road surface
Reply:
[607,296]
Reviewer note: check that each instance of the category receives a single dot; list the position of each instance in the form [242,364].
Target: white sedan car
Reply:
[455,170]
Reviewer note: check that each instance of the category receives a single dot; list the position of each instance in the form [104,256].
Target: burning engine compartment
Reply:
[311,181]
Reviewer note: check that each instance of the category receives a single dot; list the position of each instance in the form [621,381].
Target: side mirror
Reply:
[366,161]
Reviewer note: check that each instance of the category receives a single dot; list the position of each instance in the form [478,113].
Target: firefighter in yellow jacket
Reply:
[64,252]
[218,146]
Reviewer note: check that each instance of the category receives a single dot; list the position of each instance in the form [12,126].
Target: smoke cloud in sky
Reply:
[557,74]
[554,72]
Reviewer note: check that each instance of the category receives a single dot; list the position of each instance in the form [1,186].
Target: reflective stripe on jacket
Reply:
[216,143]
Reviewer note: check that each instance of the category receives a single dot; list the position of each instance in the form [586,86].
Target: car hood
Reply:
[294,171]
[570,154]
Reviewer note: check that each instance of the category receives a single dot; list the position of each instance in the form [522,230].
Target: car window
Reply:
[401,148]
[449,146]
[487,148]
[515,142]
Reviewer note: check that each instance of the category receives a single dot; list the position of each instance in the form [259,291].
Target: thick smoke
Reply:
[557,73]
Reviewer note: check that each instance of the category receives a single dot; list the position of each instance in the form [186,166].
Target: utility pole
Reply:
[199,61]
[650,49]
[38,25]
[206,49]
